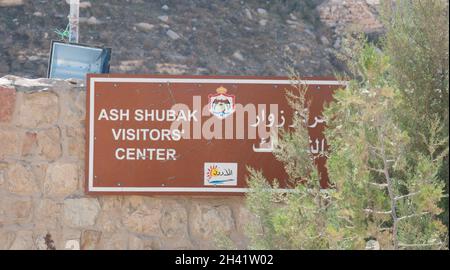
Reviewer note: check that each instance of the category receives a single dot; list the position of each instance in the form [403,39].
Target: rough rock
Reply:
[135,243]
[112,203]
[90,239]
[23,240]
[75,138]
[139,243]
[262,11]
[49,143]
[20,180]
[163,18]
[172,34]
[10,143]
[29,143]
[109,219]
[10,3]
[113,241]
[92,21]
[7,103]
[142,215]
[174,221]
[143,26]
[48,214]
[238,56]
[208,221]
[73,107]
[38,109]
[108,222]
[61,179]
[143,218]
[350,13]
[81,212]
[248,13]
[2,175]
[169,68]
[372,245]
[6,239]
[15,211]
[85,4]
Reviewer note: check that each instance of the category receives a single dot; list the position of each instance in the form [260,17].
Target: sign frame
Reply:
[92,79]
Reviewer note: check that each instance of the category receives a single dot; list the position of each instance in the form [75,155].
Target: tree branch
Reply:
[378,212]
[379,185]
[413,215]
[376,170]
[374,151]
[407,195]
[390,188]
[347,220]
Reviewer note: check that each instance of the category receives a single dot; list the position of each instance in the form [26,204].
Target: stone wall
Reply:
[42,199]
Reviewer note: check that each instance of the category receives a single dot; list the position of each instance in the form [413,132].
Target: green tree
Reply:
[388,132]
[387,196]
[417,44]
[304,218]
[377,192]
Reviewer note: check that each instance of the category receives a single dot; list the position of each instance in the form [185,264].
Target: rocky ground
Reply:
[190,36]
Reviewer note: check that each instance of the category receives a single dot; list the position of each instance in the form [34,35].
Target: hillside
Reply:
[188,37]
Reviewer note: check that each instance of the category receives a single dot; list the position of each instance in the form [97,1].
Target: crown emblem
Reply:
[221,90]
[221,104]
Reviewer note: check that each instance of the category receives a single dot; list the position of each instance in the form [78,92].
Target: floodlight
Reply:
[73,60]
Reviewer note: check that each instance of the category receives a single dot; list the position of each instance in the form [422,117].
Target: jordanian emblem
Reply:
[221,104]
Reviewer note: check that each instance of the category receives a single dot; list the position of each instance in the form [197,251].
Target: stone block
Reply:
[207,221]
[75,142]
[38,109]
[20,180]
[10,142]
[22,241]
[61,179]
[7,104]
[142,215]
[49,143]
[90,239]
[174,221]
[48,214]
[81,212]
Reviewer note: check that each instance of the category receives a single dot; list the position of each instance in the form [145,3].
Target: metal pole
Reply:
[73,20]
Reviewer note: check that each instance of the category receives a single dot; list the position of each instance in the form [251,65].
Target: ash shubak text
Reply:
[225,120]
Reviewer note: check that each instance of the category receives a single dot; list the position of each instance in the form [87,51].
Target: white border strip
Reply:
[227,81]
[167,189]
[93,80]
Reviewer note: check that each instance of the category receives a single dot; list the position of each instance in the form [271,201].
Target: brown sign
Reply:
[191,134]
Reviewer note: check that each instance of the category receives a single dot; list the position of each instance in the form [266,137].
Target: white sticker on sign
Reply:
[220,174]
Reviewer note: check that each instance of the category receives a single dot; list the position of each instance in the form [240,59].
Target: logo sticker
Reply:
[220,174]
[221,104]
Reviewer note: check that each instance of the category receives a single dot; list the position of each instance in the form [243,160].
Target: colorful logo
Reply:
[224,174]
[221,104]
